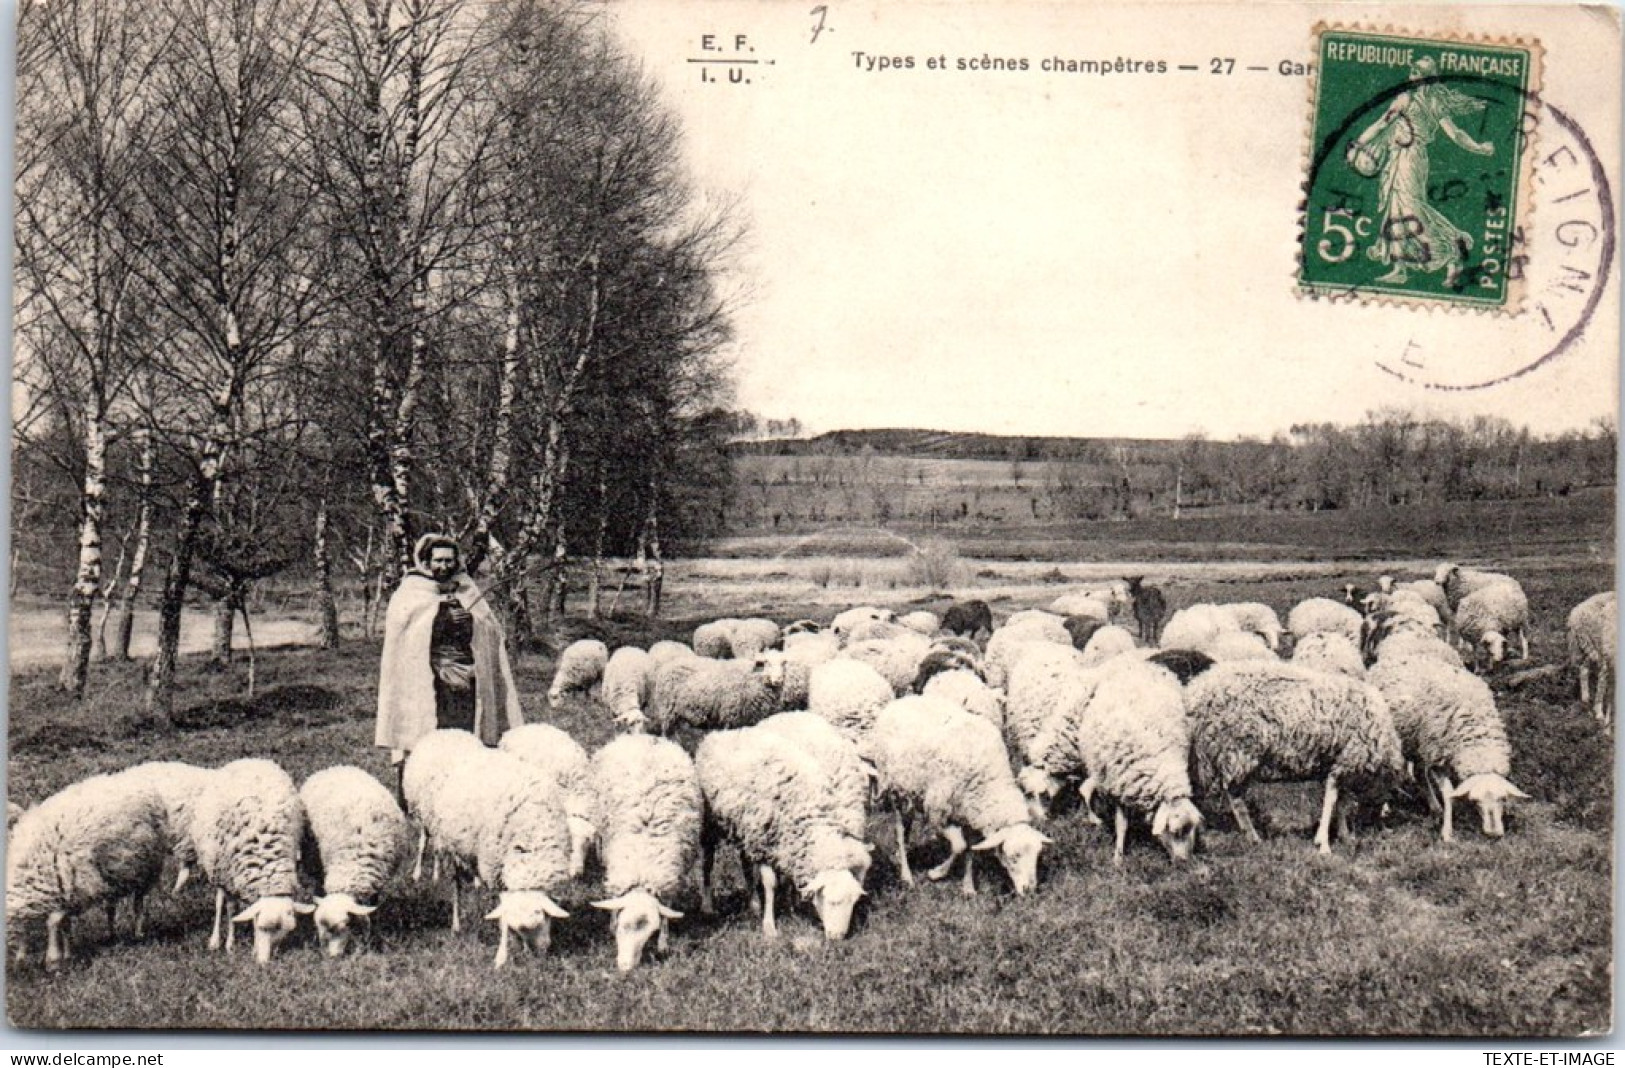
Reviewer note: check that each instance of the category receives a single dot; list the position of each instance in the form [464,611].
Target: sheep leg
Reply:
[969,887]
[1238,809]
[663,939]
[902,850]
[1446,832]
[111,907]
[140,908]
[457,904]
[1086,791]
[231,929]
[1120,819]
[219,909]
[55,939]
[1328,806]
[423,844]
[708,856]
[502,947]
[1523,643]
[1583,669]
[748,873]
[956,845]
[770,880]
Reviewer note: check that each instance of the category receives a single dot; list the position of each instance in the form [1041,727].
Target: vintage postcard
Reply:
[977,518]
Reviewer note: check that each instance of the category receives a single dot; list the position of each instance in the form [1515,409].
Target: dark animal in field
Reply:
[1354,596]
[939,660]
[1186,664]
[968,618]
[803,626]
[1150,609]
[1082,628]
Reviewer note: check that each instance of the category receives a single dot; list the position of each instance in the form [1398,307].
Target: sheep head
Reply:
[1040,788]
[1491,649]
[1018,845]
[274,918]
[770,666]
[528,914]
[1490,792]
[834,895]
[333,915]
[637,915]
[1174,825]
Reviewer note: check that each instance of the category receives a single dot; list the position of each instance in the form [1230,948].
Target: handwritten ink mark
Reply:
[822,11]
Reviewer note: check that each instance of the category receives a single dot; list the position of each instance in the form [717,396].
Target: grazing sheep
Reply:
[177,786]
[968,619]
[1134,741]
[935,758]
[1488,617]
[1331,653]
[629,681]
[1405,644]
[749,637]
[494,816]
[1042,682]
[715,639]
[921,622]
[1194,626]
[1450,729]
[561,758]
[359,838]
[709,694]
[1428,590]
[424,779]
[666,651]
[967,690]
[1150,608]
[1274,721]
[1186,664]
[1107,642]
[766,793]
[1257,618]
[1237,645]
[1321,615]
[1081,628]
[1089,604]
[1038,621]
[651,811]
[1009,643]
[939,660]
[873,630]
[838,760]
[248,824]
[841,626]
[1458,582]
[811,647]
[897,658]
[96,841]
[580,668]
[849,694]
[1593,632]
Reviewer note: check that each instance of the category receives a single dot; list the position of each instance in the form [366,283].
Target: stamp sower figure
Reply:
[445,664]
[1394,150]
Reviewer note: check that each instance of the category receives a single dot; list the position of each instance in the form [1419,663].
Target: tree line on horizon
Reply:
[298,281]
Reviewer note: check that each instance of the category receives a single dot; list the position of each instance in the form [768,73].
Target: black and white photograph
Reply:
[980,518]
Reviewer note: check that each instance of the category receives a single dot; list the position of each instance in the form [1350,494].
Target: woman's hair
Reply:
[427,544]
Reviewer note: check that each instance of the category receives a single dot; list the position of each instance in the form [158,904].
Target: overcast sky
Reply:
[1078,254]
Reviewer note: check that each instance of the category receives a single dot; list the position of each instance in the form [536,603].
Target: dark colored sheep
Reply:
[939,660]
[1185,663]
[968,618]
[1082,628]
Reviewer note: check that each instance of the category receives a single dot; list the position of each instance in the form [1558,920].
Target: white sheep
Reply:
[1274,721]
[1323,615]
[934,758]
[967,690]
[248,825]
[812,647]
[1237,645]
[748,637]
[1257,618]
[1042,681]
[1427,589]
[1089,604]
[492,815]
[177,786]
[1489,617]
[897,658]
[1134,741]
[1451,730]
[564,762]
[715,639]
[580,668]
[771,797]
[360,838]
[94,842]
[922,622]
[1105,643]
[1593,634]
[837,756]
[651,811]
[841,626]
[709,694]
[878,630]
[848,694]
[663,651]
[1331,653]
[1458,581]
[1404,644]
[1194,626]
[423,781]
[629,679]
[1009,643]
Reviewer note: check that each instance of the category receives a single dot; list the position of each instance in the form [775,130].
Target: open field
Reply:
[1396,933]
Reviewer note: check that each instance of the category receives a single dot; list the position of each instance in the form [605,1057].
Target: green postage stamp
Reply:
[1418,168]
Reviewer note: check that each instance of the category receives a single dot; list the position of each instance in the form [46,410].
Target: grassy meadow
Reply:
[1395,934]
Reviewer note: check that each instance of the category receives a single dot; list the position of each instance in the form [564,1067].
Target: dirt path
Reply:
[36,635]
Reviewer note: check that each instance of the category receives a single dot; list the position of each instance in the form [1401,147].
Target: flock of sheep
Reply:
[784,740]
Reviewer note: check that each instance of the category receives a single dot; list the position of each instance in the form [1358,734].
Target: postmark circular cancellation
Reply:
[1437,176]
